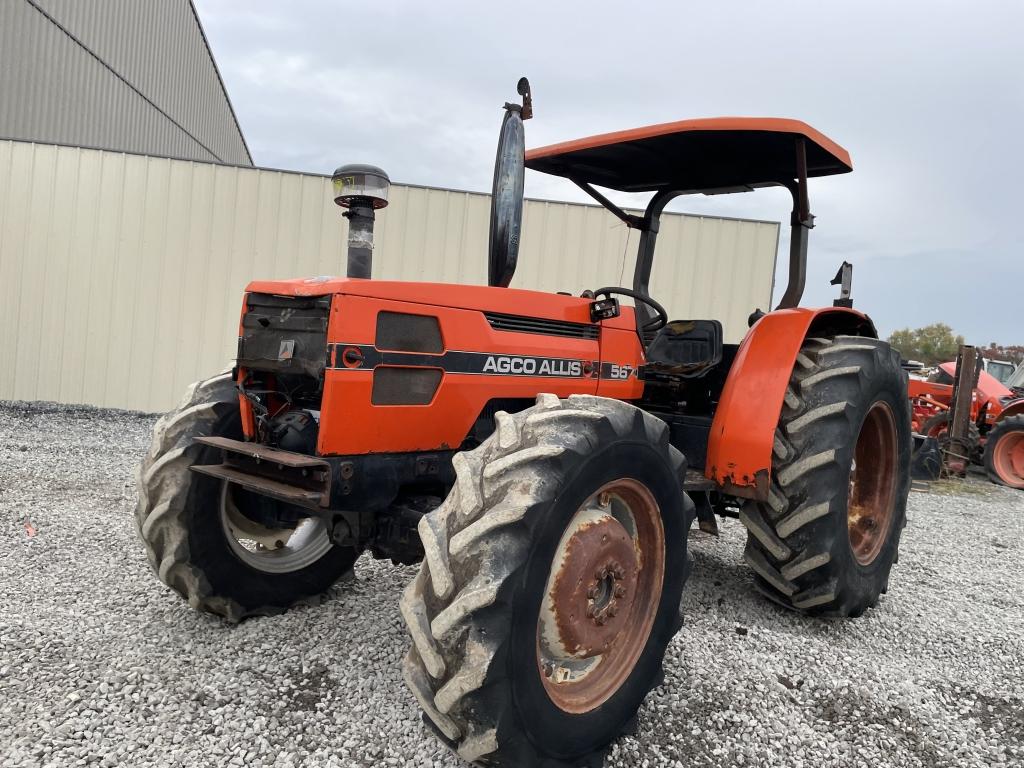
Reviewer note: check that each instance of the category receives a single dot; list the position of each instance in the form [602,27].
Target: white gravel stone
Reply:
[100,664]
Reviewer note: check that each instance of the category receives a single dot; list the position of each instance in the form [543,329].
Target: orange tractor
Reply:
[540,453]
[995,436]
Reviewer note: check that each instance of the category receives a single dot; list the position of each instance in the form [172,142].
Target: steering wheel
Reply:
[654,324]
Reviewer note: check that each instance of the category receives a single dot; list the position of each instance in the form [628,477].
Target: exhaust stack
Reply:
[361,189]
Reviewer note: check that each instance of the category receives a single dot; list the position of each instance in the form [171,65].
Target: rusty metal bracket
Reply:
[290,477]
[523,88]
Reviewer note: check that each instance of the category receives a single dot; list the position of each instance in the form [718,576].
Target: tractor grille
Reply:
[285,334]
[542,326]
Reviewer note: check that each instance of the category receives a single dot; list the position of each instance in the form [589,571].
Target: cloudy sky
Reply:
[928,97]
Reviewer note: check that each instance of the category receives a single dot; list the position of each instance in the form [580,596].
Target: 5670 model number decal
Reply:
[353,357]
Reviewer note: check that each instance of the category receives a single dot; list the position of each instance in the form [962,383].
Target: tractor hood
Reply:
[510,301]
[988,385]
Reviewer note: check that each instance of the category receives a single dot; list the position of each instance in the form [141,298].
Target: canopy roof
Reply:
[705,155]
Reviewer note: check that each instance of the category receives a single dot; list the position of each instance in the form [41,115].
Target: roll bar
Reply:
[801,222]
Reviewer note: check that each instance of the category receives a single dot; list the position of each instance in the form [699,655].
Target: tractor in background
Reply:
[538,453]
[1016,381]
[1000,370]
[995,430]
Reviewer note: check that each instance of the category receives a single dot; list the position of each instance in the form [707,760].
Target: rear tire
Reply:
[476,610]
[180,518]
[825,540]
[1004,452]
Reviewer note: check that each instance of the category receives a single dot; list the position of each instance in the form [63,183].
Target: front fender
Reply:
[739,455]
[1013,408]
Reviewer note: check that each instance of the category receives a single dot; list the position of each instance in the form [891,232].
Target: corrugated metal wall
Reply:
[121,276]
[132,75]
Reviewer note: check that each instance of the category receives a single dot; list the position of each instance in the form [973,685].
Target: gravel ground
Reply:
[100,664]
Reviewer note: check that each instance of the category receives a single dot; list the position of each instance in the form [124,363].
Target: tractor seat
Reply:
[686,348]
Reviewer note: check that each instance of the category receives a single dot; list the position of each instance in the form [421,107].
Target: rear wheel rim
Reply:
[272,550]
[602,596]
[1008,458]
[872,484]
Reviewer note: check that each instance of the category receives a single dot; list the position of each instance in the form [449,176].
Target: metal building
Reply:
[121,276]
[129,75]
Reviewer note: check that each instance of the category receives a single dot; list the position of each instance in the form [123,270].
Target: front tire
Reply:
[825,540]
[1004,452]
[518,661]
[193,526]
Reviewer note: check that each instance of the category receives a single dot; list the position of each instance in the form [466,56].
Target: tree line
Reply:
[937,343]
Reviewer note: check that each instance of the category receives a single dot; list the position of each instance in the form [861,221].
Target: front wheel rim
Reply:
[872,494]
[1008,458]
[602,596]
[271,550]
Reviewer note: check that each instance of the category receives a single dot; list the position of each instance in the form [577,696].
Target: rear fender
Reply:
[740,446]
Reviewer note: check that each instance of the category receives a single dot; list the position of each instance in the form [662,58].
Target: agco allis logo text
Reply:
[533,366]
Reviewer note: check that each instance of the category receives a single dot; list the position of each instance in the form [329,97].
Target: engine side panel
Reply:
[743,431]
[404,400]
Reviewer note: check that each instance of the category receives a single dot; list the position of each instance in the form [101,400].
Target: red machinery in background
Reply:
[993,433]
